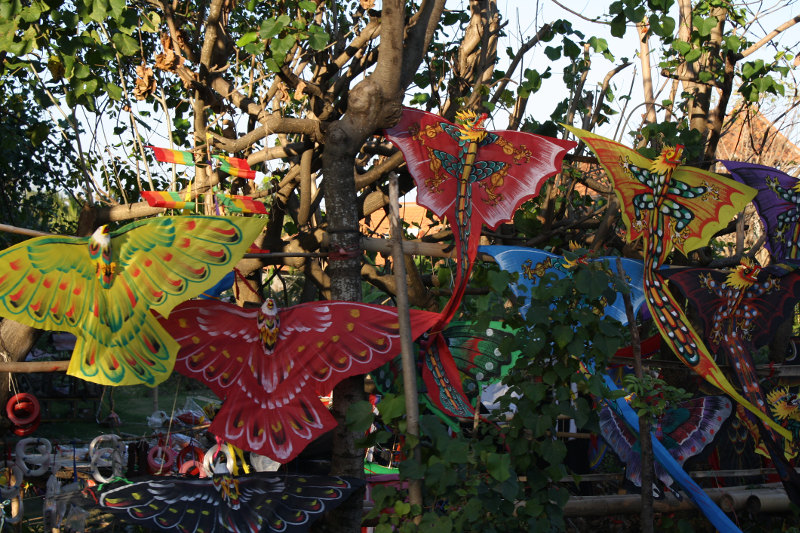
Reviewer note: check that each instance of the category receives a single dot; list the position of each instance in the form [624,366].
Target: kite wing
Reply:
[714,514]
[701,202]
[761,308]
[510,166]
[262,502]
[271,402]
[749,304]
[693,425]
[777,203]
[532,264]
[478,354]
[685,432]
[472,177]
[104,295]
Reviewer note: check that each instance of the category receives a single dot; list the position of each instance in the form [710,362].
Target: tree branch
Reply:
[768,37]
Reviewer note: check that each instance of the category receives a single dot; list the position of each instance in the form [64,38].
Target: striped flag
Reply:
[167,155]
[235,203]
[236,166]
[170,200]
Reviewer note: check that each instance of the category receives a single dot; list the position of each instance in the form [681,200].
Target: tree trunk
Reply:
[17,340]
[372,104]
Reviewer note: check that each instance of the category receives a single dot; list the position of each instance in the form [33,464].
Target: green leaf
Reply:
[39,133]
[599,44]
[247,38]
[307,5]
[359,416]
[9,10]
[272,27]
[114,91]
[420,98]
[693,55]
[317,38]
[126,45]
[562,334]
[618,25]
[751,69]
[552,52]
[272,65]
[100,9]
[31,13]
[411,470]
[499,466]
[81,71]
[280,47]
[553,451]
[571,49]
[118,6]
[704,26]
[667,26]
[391,407]
[634,14]
[733,43]
[402,508]
[682,47]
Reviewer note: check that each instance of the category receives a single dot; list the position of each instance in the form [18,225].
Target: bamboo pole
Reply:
[28,367]
[764,499]
[22,231]
[648,473]
[406,341]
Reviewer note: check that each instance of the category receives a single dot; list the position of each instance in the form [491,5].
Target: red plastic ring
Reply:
[192,451]
[193,468]
[24,431]
[22,409]
[160,459]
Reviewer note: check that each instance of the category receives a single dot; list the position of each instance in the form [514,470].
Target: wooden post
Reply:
[406,341]
[27,367]
[647,516]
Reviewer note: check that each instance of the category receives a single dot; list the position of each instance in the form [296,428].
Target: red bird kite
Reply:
[270,366]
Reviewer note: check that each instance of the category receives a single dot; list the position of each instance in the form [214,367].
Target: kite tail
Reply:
[443,379]
[789,476]
[745,371]
[684,341]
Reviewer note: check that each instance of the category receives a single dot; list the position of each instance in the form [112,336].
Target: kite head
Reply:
[268,324]
[100,252]
[667,160]
[101,237]
[227,486]
[785,404]
[471,125]
[580,260]
[745,275]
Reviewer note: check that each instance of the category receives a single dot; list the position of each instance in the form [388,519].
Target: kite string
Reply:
[171,416]
[245,281]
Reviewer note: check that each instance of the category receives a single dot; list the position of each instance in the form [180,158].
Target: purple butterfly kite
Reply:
[777,203]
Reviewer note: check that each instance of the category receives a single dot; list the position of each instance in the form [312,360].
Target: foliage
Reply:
[503,475]
[653,396]
[32,164]
[85,84]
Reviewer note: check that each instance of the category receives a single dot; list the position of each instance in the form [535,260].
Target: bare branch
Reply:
[277,152]
[768,37]
[603,89]
[517,59]
[647,73]
[422,27]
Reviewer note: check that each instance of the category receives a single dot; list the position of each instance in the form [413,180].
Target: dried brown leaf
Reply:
[145,82]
